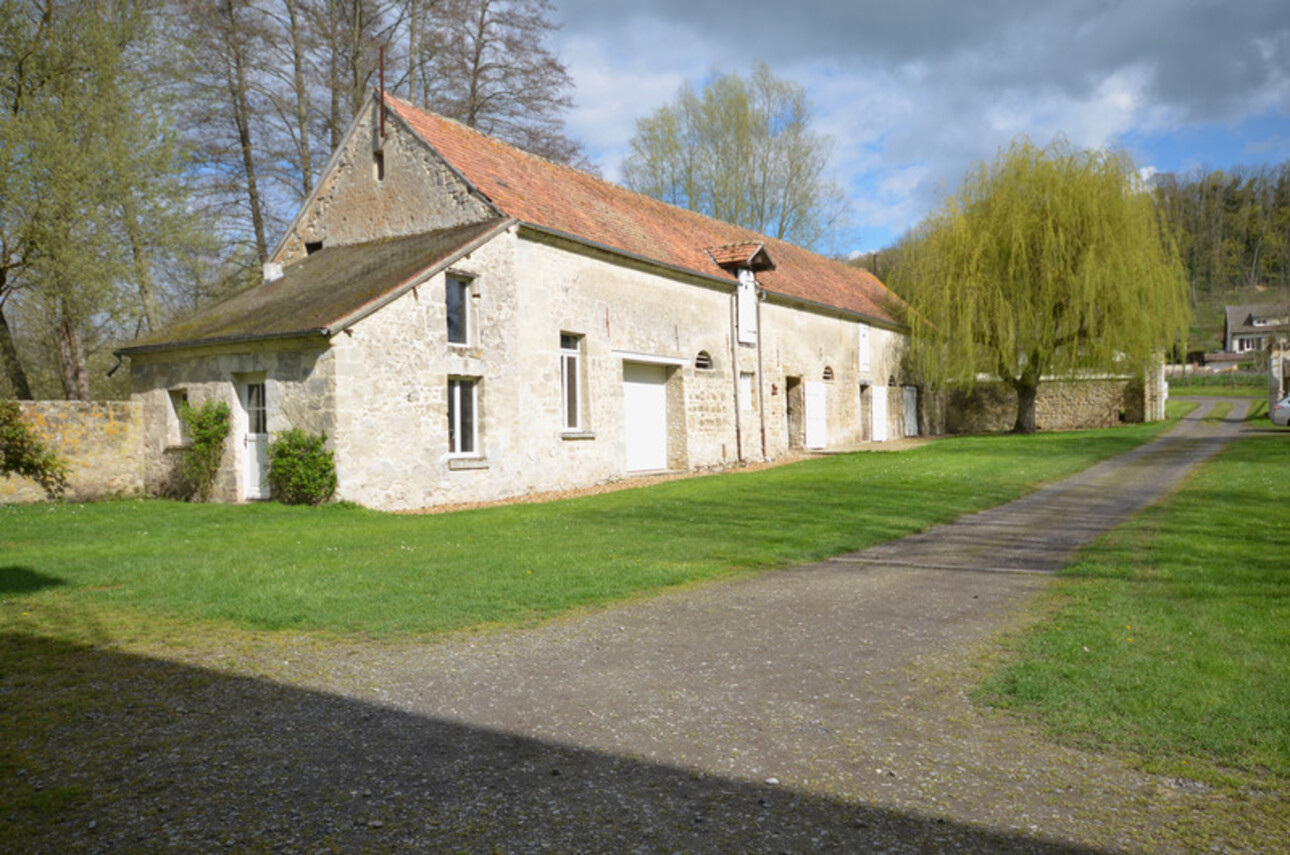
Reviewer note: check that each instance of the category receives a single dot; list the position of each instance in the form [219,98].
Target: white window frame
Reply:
[458,426]
[453,283]
[746,307]
[866,359]
[571,385]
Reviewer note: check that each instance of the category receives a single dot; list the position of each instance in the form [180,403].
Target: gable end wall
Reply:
[419,193]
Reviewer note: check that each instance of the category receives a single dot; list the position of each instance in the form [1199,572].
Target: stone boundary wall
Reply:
[1059,405]
[101,442]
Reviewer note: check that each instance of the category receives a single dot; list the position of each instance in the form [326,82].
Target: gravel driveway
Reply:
[820,708]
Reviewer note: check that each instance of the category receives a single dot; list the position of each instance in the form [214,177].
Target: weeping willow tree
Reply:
[1047,261]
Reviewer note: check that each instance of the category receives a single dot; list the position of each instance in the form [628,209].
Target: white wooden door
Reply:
[879,410]
[256,442]
[817,414]
[645,416]
[911,411]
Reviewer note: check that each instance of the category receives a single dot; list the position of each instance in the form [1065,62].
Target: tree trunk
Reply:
[12,364]
[142,269]
[1026,388]
[71,353]
[237,89]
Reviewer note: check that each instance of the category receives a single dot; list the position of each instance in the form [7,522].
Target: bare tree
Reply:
[485,63]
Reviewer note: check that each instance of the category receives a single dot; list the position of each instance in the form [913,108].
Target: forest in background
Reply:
[152,151]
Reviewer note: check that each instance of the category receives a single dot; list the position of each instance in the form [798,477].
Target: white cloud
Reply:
[913,93]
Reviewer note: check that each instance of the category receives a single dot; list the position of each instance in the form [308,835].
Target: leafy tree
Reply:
[741,150]
[90,177]
[1047,260]
[22,452]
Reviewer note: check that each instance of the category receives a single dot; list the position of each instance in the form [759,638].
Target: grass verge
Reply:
[1171,637]
[103,571]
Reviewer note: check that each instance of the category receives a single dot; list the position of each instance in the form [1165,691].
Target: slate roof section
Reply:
[325,292]
[561,199]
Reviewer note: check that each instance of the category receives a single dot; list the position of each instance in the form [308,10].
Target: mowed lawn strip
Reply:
[348,570]
[1171,637]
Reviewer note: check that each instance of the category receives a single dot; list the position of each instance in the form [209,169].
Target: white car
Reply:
[1280,412]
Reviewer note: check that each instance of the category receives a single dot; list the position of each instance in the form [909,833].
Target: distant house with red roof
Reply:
[467,322]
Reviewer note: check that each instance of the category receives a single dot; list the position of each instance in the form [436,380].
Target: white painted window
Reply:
[571,380]
[746,304]
[745,391]
[457,297]
[866,363]
[463,427]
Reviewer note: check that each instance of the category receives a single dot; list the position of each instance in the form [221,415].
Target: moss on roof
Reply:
[315,293]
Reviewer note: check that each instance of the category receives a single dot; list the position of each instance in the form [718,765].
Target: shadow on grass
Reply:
[111,752]
[24,580]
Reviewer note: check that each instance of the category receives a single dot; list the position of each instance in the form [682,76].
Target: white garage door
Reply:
[645,416]
[817,414]
[879,431]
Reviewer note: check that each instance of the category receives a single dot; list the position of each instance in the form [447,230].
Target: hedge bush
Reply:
[301,470]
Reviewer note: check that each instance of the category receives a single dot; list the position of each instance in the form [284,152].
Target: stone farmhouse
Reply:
[468,322]
[1255,327]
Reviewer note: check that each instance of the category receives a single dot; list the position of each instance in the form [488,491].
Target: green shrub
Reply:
[22,452]
[208,428]
[301,470]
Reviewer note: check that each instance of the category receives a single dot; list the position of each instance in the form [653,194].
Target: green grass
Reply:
[102,570]
[1231,385]
[1171,637]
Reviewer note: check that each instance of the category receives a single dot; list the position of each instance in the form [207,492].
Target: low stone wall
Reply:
[102,444]
[1059,405]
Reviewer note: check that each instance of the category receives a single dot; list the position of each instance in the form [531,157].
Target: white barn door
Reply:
[879,432]
[256,441]
[911,411]
[817,414]
[645,416]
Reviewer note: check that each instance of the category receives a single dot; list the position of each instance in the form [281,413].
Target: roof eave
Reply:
[221,340]
[872,320]
[724,282]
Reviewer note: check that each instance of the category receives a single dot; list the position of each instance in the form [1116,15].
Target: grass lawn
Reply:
[148,568]
[1171,637]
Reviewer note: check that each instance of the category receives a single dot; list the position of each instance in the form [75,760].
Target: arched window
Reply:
[703,361]
[828,372]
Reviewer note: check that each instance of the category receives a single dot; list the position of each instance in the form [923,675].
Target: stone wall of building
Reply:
[299,392]
[102,444]
[416,192]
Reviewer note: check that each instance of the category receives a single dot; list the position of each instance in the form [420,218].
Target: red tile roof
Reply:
[562,199]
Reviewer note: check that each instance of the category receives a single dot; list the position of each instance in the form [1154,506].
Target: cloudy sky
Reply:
[912,92]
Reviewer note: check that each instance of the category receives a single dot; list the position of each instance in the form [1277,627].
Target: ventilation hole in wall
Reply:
[378,165]
[828,372]
[703,361]
[312,246]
